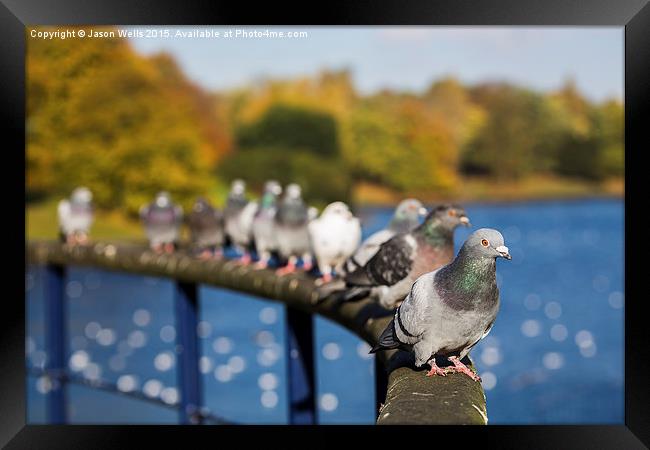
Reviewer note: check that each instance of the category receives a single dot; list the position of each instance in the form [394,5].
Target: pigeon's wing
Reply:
[391,264]
[247,216]
[413,314]
[178,213]
[144,210]
[367,249]
[63,212]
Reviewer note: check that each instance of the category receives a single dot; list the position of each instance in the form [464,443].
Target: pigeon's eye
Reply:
[484,242]
[452,212]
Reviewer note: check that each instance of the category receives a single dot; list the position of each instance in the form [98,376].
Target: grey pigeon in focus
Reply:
[264,224]
[238,217]
[448,311]
[162,221]
[406,217]
[76,216]
[387,276]
[291,230]
[206,229]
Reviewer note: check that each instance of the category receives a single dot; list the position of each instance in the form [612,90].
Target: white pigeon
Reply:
[76,216]
[335,235]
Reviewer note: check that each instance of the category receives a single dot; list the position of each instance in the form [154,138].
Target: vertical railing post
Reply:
[189,380]
[381,384]
[55,338]
[300,356]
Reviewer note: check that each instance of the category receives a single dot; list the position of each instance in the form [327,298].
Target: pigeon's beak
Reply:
[465,221]
[422,211]
[504,252]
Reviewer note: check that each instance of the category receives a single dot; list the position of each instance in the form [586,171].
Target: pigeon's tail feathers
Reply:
[388,339]
[355,293]
[351,264]
[334,287]
[358,277]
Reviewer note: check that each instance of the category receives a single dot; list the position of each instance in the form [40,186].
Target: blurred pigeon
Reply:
[405,218]
[264,224]
[76,216]
[162,221]
[335,235]
[206,228]
[312,213]
[238,216]
[291,230]
[448,311]
[389,274]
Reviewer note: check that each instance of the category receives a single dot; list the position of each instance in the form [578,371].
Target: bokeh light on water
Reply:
[555,354]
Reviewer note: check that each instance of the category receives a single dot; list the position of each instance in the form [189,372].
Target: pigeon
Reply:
[335,235]
[76,216]
[449,310]
[291,230]
[389,274]
[206,229]
[264,224]
[162,221]
[238,216]
[405,218]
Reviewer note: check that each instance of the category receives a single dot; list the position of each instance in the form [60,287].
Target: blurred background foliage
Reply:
[127,125]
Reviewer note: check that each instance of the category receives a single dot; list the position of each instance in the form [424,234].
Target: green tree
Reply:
[399,142]
[124,125]
[291,127]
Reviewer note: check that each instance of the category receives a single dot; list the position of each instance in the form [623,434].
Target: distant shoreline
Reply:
[534,189]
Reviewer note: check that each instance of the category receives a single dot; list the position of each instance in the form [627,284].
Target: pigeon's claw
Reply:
[435,370]
[245,259]
[459,367]
[261,264]
[205,254]
[289,268]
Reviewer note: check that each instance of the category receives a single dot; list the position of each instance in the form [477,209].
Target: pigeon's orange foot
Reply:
[157,248]
[261,264]
[326,278]
[435,370]
[289,268]
[307,266]
[169,247]
[205,254]
[245,259]
[459,367]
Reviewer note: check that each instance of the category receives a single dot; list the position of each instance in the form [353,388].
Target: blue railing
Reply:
[296,292]
[299,348]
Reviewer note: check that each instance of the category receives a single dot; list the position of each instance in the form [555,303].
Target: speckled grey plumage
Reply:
[405,217]
[291,224]
[389,274]
[206,225]
[264,233]
[238,214]
[162,220]
[449,310]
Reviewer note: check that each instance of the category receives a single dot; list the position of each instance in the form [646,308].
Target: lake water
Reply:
[555,354]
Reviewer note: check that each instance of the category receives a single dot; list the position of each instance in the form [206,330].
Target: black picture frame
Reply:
[634,15]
